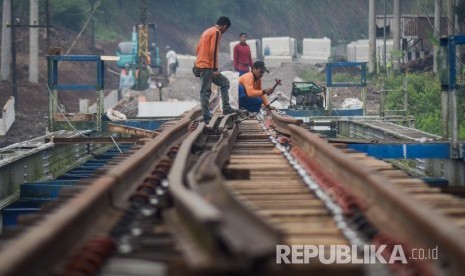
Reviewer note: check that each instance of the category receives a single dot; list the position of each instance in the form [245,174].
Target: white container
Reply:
[318,49]
[279,46]
[275,61]
[358,51]
[186,62]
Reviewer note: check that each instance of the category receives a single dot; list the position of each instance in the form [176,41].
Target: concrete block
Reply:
[275,61]
[8,116]
[110,100]
[164,109]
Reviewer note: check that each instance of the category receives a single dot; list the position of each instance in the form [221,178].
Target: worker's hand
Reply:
[216,73]
[269,107]
[269,91]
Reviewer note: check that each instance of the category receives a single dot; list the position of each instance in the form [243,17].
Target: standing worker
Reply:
[126,81]
[143,73]
[172,61]
[206,67]
[242,56]
[251,94]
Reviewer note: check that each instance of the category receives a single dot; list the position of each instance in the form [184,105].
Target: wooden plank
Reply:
[271,183]
[58,117]
[316,240]
[284,212]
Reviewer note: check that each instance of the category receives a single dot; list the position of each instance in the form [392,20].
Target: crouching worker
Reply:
[251,93]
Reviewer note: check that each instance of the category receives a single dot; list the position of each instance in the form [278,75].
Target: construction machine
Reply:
[141,48]
[308,95]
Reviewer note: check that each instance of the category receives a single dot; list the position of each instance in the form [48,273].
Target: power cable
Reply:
[63,114]
[436,32]
[447,18]
[83,28]
[77,38]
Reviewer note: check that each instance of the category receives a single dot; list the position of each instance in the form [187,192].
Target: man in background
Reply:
[126,82]
[242,56]
[207,66]
[171,60]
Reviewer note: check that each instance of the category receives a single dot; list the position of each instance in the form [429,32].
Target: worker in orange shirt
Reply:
[251,93]
[206,65]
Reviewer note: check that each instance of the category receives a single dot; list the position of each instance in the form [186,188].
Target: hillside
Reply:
[181,21]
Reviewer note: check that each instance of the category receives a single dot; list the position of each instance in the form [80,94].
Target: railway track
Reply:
[240,195]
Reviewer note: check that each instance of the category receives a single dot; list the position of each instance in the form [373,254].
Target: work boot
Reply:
[206,120]
[229,111]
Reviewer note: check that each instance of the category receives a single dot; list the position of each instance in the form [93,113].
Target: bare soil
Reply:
[32,99]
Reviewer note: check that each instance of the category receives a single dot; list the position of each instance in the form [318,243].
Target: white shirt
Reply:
[171,57]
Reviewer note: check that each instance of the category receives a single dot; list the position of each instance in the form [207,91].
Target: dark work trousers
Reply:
[207,78]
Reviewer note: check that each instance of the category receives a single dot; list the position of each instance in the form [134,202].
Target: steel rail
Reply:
[35,250]
[226,234]
[416,221]
[131,130]
[247,236]
[190,203]
[420,223]
[281,122]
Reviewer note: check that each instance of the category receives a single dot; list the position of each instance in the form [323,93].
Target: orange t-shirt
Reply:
[253,87]
[207,49]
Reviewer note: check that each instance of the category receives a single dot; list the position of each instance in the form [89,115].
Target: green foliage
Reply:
[313,76]
[424,101]
[434,40]
[69,14]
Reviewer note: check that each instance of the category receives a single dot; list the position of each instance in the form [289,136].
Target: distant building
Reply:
[414,32]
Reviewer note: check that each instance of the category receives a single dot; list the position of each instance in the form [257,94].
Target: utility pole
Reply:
[396,33]
[384,36]
[47,23]
[446,95]
[14,23]
[34,42]
[372,36]
[6,41]
[14,85]
[452,93]
[437,34]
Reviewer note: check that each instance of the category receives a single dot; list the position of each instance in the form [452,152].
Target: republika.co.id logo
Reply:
[344,254]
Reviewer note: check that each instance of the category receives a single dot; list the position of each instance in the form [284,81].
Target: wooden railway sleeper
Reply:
[319,151]
[228,229]
[356,211]
[245,236]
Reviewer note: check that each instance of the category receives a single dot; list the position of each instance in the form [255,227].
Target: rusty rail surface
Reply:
[409,218]
[227,234]
[33,252]
[218,232]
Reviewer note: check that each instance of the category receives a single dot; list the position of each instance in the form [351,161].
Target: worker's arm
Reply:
[235,55]
[250,58]
[265,100]
[250,90]
[214,45]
